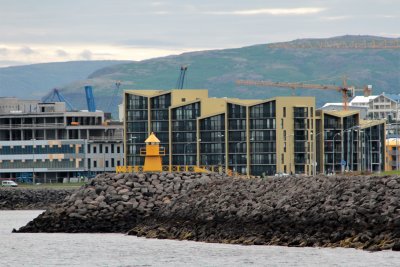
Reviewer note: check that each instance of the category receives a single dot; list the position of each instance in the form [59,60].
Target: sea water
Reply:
[39,249]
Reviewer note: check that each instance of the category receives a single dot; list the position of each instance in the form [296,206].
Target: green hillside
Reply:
[217,71]
[34,81]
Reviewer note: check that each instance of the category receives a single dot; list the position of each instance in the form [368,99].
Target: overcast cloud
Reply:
[41,31]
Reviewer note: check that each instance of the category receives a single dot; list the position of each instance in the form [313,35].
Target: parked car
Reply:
[281,174]
[9,183]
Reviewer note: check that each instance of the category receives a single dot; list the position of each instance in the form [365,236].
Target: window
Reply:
[112,162]
[94,150]
[281,123]
[94,163]
[118,149]
[112,148]
[106,163]
[282,158]
[284,112]
[101,148]
[106,148]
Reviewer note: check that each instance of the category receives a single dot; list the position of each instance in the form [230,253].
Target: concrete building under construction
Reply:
[45,143]
[253,137]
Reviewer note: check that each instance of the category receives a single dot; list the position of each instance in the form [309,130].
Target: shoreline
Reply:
[356,212]
[21,198]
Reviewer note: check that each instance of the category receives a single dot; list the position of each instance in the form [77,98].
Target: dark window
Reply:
[94,149]
[94,164]
[112,148]
[101,148]
[284,112]
[118,149]
[106,148]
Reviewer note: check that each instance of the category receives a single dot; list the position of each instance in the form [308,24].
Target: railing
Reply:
[106,138]
[38,125]
[165,168]
[152,151]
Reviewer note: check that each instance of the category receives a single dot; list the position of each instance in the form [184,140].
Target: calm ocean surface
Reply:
[121,250]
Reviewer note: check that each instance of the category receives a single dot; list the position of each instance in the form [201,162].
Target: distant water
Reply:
[122,250]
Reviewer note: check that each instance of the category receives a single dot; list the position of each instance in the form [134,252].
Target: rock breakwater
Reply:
[358,212]
[116,202]
[38,198]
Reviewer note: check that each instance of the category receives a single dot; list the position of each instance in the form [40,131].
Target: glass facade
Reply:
[61,164]
[332,143]
[160,121]
[237,146]
[136,127]
[350,142]
[303,123]
[263,138]
[184,143]
[212,144]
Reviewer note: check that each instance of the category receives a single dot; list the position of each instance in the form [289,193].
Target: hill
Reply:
[34,81]
[217,70]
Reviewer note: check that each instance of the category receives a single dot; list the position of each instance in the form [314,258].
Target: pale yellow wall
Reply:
[288,125]
[189,95]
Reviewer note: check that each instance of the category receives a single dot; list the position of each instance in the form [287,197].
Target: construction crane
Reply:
[90,99]
[57,96]
[181,79]
[346,91]
[114,97]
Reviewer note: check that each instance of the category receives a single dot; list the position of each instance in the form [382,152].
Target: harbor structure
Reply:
[46,143]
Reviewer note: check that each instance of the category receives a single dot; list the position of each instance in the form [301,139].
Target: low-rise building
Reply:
[380,107]
[51,143]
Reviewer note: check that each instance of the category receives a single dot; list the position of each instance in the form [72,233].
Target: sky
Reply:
[33,31]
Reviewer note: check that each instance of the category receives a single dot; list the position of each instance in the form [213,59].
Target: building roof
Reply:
[332,104]
[152,139]
[363,99]
[393,97]
[341,113]
[369,123]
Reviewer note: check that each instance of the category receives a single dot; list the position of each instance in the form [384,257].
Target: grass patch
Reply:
[395,172]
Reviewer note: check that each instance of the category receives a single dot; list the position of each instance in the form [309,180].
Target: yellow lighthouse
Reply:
[152,153]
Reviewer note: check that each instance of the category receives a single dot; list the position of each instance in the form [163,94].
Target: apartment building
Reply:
[383,106]
[345,142]
[254,137]
[50,143]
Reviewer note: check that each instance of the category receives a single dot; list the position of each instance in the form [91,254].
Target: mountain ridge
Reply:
[217,70]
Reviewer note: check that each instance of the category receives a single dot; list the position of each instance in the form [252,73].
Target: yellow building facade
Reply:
[392,154]
[251,137]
